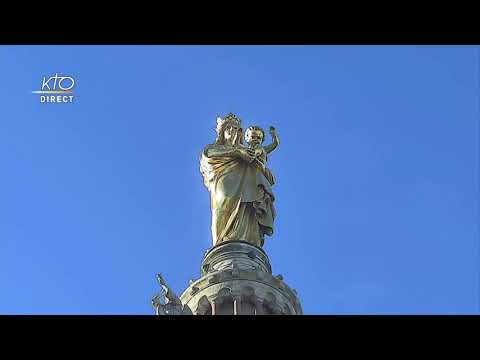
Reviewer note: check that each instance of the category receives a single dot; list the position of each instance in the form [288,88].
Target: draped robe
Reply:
[241,196]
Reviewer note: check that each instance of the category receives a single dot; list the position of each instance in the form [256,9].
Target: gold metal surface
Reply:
[240,184]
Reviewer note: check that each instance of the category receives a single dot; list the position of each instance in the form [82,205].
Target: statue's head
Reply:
[254,135]
[229,130]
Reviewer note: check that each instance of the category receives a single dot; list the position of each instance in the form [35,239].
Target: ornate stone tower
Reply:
[237,280]
[236,275]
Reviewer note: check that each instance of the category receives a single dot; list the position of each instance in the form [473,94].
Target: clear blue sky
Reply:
[377,173]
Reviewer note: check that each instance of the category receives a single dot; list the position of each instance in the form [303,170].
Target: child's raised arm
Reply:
[275,141]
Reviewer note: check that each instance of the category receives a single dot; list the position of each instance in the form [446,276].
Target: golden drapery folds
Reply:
[241,196]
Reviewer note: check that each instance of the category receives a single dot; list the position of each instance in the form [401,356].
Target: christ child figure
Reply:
[254,136]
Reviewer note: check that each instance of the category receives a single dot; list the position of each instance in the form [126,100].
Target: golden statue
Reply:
[239,183]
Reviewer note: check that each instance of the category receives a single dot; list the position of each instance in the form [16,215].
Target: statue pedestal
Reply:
[235,255]
[237,280]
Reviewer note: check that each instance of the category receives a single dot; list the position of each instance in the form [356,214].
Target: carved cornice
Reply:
[246,285]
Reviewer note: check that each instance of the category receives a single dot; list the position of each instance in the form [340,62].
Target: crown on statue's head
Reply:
[229,119]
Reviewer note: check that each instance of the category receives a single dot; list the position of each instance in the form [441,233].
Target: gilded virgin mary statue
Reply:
[240,184]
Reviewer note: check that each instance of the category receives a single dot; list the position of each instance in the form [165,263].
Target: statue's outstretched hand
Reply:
[273,131]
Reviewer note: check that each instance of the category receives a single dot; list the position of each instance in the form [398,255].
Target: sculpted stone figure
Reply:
[171,303]
[240,184]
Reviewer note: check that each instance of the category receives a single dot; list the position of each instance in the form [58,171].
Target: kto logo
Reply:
[55,89]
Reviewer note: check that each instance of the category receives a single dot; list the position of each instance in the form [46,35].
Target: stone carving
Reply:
[223,295]
[194,290]
[232,264]
[168,303]
[204,307]
[248,292]
[170,296]
[235,255]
